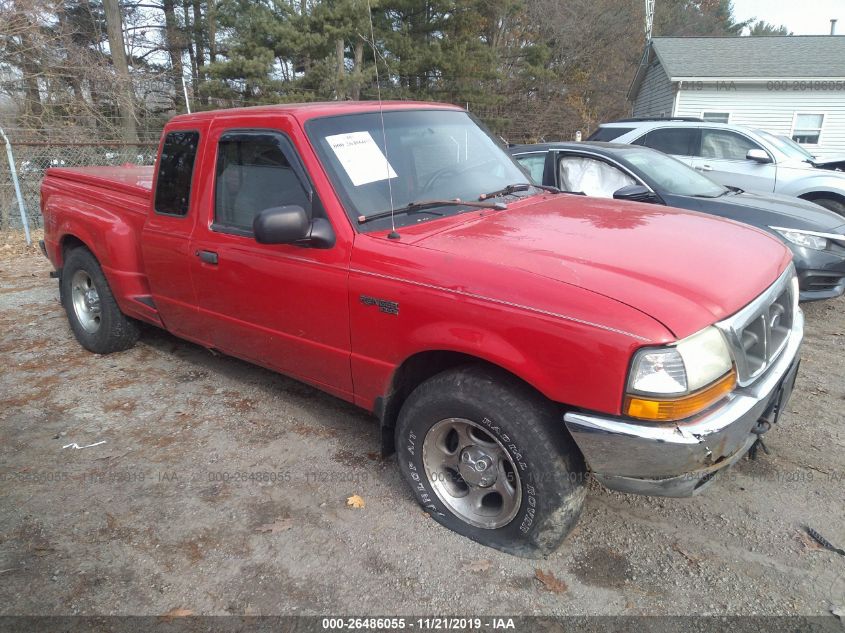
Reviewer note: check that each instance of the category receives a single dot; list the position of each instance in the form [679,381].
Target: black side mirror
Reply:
[635,193]
[290,225]
[281,225]
[758,156]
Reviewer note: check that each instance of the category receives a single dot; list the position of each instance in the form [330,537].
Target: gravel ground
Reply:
[221,488]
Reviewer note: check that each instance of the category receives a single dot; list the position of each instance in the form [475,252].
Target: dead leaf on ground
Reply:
[478,565]
[177,612]
[355,501]
[279,525]
[548,580]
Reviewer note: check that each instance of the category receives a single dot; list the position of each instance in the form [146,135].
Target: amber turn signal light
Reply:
[670,410]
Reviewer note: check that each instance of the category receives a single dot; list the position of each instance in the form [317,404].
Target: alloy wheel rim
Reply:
[472,473]
[86,301]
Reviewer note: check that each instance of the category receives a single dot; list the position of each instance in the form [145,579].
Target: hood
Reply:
[835,162]
[686,270]
[793,213]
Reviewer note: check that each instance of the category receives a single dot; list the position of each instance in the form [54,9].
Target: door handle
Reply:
[704,168]
[209,257]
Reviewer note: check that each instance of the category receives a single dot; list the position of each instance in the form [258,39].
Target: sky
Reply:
[806,17]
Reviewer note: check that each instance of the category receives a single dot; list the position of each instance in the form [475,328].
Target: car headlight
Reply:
[679,380]
[803,238]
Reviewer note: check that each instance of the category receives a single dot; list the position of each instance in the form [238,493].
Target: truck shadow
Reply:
[352,434]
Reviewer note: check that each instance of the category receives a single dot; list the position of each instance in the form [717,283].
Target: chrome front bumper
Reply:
[679,460]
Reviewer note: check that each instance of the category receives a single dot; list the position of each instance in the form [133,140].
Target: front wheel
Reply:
[488,457]
[93,313]
[837,206]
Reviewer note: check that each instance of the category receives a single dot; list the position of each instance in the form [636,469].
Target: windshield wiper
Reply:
[423,206]
[520,186]
[718,195]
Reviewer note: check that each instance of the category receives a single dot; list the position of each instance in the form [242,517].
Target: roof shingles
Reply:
[763,57]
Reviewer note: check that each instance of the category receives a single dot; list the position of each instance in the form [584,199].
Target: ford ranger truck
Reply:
[509,338]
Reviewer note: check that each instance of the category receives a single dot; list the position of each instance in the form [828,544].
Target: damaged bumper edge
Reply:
[679,460]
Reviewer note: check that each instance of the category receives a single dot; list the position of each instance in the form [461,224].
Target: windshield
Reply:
[671,175]
[430,155]
[786,145]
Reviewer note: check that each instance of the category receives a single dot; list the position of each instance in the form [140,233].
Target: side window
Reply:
[175,171]
[591,176]
[679,140]
[253,174]
[725,145]
[608,134]
[534,164]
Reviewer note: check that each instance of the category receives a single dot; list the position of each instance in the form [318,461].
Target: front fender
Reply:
[829,182]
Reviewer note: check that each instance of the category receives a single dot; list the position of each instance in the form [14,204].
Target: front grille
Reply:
[758,333]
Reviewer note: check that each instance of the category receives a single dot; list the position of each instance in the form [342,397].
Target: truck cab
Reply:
[509,337]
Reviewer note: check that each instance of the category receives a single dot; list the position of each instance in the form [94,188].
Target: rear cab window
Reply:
[175,172]
[606,133]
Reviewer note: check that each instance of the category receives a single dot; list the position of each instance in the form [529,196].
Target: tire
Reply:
[466,426]
[94,316]
[837,206]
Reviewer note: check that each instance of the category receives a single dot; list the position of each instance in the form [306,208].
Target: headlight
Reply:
[677,381]
[802,238]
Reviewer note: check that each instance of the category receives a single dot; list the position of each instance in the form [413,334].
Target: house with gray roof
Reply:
[788,85]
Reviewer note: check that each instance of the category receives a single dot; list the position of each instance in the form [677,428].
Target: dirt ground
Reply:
[220,488]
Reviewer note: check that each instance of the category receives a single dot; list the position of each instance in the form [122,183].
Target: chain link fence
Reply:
[33,158]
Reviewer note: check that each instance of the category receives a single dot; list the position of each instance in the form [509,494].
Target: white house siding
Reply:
[655,97]
[760,105]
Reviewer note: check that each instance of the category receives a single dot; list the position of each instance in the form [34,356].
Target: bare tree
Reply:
[125,93]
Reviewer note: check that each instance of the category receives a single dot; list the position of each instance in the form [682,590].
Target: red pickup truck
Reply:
[510,338]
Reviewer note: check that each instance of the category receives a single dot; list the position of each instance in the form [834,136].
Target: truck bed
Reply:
[130,179]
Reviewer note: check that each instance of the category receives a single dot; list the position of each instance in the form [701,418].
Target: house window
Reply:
[807,128]
[716,117]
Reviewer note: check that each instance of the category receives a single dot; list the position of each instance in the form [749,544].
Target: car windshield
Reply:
[786,145]
[429,155]
[671,175]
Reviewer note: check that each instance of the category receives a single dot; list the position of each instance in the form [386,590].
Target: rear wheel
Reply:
[487,457]
[93,313]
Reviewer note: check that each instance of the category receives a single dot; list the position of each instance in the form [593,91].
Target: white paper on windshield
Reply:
[362,159]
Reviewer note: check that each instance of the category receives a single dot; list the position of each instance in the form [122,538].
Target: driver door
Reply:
[282,306]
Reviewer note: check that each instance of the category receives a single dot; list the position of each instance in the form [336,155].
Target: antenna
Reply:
[185,92]
[393,235]
[649,19]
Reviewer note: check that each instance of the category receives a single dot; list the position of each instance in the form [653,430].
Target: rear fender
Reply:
[112,237]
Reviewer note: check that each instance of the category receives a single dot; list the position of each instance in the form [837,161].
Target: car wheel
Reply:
[94,316]
[488,457]
[837,206]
